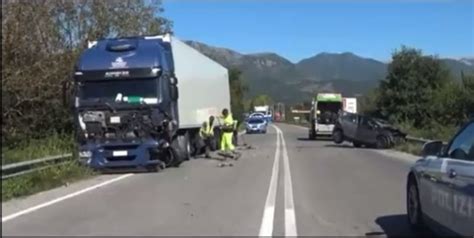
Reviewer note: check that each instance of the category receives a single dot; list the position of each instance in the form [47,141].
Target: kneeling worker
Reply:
[207,135]
[227,147]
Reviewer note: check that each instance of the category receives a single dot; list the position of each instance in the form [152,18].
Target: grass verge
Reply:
[409,147]
[52,145]
[42,180]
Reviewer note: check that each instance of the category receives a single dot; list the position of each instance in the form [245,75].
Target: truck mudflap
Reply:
[121,155]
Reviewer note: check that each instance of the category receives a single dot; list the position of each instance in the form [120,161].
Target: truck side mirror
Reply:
[432,148]
[173,81]
[174,94]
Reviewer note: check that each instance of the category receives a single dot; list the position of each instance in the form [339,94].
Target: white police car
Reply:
[256,125]
[440,186]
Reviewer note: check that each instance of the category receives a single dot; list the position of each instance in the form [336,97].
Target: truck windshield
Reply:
[109,89]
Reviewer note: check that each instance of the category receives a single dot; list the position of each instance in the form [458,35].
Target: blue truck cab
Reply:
[125,105]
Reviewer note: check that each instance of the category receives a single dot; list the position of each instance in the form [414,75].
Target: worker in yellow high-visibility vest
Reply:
[227,147]
[207,135]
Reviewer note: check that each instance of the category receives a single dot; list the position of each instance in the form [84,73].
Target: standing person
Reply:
[227,147]
[207,135]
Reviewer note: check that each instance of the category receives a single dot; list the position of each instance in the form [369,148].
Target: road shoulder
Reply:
[19,204]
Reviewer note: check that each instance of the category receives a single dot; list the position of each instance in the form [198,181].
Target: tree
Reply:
[261,100]
[368,103]
[408,90]
[237,91]
[454,103]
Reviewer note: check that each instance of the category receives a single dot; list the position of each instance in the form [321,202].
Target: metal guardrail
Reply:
[421,140]
[26,167]
[417,140]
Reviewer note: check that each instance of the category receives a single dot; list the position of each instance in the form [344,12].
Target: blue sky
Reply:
[298,29]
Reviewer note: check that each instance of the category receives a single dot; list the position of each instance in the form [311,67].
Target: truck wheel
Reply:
[186,146]
[338,137]
[195,143]
[181,150]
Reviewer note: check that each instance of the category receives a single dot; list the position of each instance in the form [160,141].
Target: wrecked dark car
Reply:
[366,131]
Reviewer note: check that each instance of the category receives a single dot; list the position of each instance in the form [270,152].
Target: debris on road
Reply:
[227,164]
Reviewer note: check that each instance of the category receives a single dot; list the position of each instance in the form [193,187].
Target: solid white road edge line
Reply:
[290,218]
[266,227]
[60,199]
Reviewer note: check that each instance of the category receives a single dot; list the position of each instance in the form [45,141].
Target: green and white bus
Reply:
[325,108]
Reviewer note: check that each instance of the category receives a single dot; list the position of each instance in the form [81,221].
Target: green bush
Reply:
[48,178]
[38,148]
[411,148]
[434,131]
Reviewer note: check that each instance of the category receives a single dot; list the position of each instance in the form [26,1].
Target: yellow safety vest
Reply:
[206,129]
[228,122]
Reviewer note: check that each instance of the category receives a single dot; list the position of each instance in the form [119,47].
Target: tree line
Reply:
[420,93]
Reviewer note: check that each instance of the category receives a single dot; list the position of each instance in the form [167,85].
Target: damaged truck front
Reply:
[139,101]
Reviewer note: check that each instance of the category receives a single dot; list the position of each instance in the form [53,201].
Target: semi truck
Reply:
[139,101]
[324,113]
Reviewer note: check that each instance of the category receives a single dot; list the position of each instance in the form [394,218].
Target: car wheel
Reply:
[381,142]
[338,137]
[414,211]
[356,144]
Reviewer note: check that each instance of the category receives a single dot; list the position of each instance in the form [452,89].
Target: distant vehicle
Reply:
[366,131]
[257,115]
[265,110]
[256,125]
[324,112]
[440,186]
[277,116]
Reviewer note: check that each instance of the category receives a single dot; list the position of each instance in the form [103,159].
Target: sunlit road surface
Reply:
[286,186]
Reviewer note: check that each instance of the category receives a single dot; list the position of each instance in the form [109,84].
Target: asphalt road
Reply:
[286,186]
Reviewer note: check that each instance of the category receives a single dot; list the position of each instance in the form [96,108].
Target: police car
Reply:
[440,186]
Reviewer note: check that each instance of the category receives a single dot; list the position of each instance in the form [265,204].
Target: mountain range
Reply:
[284,81]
